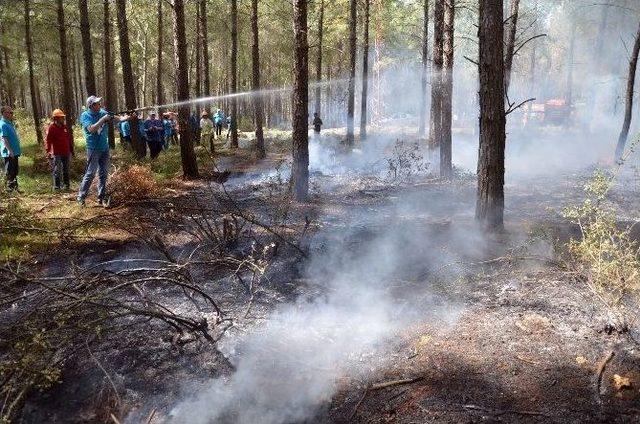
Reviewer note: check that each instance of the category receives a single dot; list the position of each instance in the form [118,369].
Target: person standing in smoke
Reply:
[317,124]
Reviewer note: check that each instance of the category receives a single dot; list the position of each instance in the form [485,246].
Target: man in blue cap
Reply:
[95,131]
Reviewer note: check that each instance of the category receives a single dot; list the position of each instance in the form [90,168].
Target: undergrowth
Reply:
[606,258]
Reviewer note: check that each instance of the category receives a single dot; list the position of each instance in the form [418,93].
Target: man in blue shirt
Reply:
[155,132]
[218,119]
[95,131]
[168,129]
[125,134]
[10,145]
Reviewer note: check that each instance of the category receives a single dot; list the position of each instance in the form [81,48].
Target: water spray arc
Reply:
[209,99]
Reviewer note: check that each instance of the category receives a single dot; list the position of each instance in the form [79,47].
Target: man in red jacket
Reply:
[59,147]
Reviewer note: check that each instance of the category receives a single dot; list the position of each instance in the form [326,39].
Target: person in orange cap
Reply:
[59,146]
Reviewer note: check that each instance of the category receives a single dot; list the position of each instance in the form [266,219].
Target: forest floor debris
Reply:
[510,354]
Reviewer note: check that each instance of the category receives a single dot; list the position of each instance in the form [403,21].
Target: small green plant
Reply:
[606,258]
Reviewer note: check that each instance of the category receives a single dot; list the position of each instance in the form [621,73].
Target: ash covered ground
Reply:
[383,302]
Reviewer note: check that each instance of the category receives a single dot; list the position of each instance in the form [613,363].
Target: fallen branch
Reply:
[394,383]
[601,368]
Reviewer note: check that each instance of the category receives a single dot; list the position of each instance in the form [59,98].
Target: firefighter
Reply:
[317,123]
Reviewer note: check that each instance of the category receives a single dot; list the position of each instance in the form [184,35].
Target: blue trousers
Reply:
[97,161]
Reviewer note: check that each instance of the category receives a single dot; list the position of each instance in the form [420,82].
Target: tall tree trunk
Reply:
[422,119]
[300,168]
[512,26]
[624,133]
[490,197]
[5,72]
[198,82]
[32,82]
[187,154]
[435,125]
[159,90]
[447,89]
[318,95]
[127,77]
[352,72]
[365,72]
[257,99]
[234,67]
[110,96]
[205,49]
[572,48]
[599,66]
[85,31]
[67,88]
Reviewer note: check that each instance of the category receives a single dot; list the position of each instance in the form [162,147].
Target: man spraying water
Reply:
[93,122]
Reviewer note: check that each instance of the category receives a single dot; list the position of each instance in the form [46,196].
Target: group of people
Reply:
[158,134]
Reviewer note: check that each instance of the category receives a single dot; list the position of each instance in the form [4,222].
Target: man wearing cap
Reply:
[10,148]
[93,122]
[59,146]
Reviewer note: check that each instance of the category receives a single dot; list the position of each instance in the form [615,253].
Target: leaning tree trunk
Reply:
[435,126]
[85,32]
[159,90]
[187,154]
[352,72]
[32,82]
[127,78]
[422,119]
[490,196]
[205,49]
[318,95]
[624,133]
[234,70]
[300,168]
[512,26]
[67,90]
[447,90]
[365,72]
[110,96]
[257,99]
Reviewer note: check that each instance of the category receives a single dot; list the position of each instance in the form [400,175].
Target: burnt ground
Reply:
[524,343]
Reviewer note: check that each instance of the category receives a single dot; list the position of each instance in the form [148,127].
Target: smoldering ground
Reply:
[374,270]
